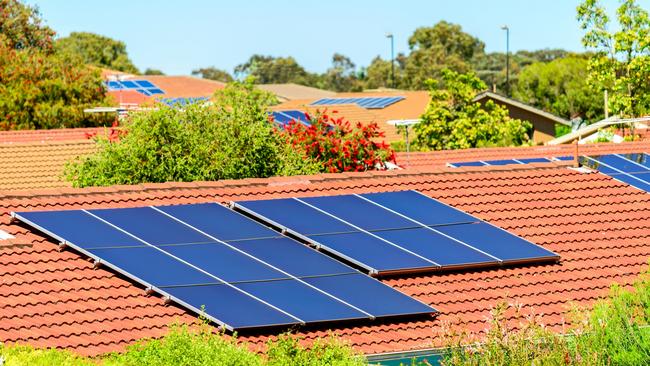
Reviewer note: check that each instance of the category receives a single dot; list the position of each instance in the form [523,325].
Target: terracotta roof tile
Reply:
[52,297]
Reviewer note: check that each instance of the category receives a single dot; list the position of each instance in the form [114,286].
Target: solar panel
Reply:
[395,232]
[208,257]
[284,117]
[144,83]
[128,84]
[155,91]
[366,102]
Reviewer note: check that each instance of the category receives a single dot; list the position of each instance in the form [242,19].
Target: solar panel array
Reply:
[366,102]
[395,232]
[633,169]
[181,102]
[211,259]
[509,161]
[284,117]
[145,87]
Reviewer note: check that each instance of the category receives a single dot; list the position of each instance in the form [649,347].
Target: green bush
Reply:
[229,139]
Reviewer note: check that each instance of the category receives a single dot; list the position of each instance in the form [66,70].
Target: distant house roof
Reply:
[503,99]
[291,91]
[56,298]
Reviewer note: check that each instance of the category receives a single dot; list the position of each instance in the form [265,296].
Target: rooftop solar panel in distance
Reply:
[534,160]
[154,91]
[620,163]
[128,84]
[114,85]
[637,180]
[469,163]
[144,83]
[640,158]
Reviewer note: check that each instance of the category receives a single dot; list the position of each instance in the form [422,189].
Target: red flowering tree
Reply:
[339,145]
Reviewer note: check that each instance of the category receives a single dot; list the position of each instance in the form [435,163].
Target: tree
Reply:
[341,76]
[213,73]
[275,70]
[21,27]
[150,71]
[443,46]
[453,120]
[620,64]
[560,87]
[97,50]
[47,90]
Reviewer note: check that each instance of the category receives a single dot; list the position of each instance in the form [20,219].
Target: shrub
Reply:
[339,145]
[453,120]
[286,350]
[228,140]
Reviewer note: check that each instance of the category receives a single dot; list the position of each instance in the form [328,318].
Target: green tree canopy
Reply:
[272,70]
[47,90]
[213,73]
[621,60]
[560,87]
[98,50]
[150,71]
[21,27]
[341,76]
[453,120]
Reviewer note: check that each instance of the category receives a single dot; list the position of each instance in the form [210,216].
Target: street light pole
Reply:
[392,59]
[505,27]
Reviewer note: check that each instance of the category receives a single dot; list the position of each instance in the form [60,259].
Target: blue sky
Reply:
[178,36]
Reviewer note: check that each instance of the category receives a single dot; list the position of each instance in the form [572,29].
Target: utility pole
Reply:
[392,59]
[505,28]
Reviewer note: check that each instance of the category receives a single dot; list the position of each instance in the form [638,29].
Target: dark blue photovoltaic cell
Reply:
[79,228]
[468,163]
[497,242]
[370,295]
[293,257]
[153,266]
[281,118]
[502,162]
[301,300]
[130,84]
[620,163]
[230,306]
[298,115]
[223,262]
[371,252]
[437,247]
[420,208]
[645,176]
[595,164]
[292,214]
[534,160]
[218,221]
[359,212]
[634,180]
[114,85]
[155,91]
[144,83]
[564,158]
[641,158]
[151,226]
[367,102]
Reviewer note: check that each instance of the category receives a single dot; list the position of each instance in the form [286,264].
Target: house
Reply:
[543,122]
[291,91]
[55,297]
[131,91]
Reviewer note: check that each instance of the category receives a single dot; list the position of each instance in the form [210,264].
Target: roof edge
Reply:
[488,94]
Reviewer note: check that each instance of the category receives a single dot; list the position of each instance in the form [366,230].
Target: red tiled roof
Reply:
[600,227]
[42,136]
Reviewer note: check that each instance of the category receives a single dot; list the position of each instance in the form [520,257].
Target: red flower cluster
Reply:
[338,144]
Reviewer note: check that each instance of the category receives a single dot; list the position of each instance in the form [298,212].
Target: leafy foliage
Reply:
[614,332]
[21,27]
[453,121]
[286,350]
[97,50]
[213,73]
[43,90]
[339,145]
[341,76]
[621,62]
[229,140]
[150,71]
[269,69]
[560,87]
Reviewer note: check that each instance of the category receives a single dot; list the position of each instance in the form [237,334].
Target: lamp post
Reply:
[392,59]
[505,28]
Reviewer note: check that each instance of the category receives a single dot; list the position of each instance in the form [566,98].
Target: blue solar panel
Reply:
[497,242]
[438,248]
[503,162]
[359,212]
[229,306]
[301,300]
[372,253]
[291,214]
[155,91]
[469,163]
[366,102]
[151,226]
[78,228]
[638,180]
[216,220]
[369,295]
[114,85]
[419,207]
[143,91]
[144,83]
[620,163]
[535,160]
[152,266]
[641,158]
[180,252]
[129,84]
[297,115]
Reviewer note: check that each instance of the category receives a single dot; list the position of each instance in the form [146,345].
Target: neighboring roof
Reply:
[40,136]
[503,99]
[437,159]
[600,227]
[292,91]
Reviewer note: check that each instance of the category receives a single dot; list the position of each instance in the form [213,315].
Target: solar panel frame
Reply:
[144,83]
